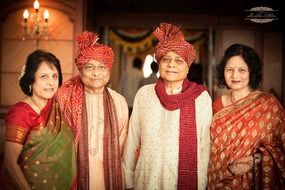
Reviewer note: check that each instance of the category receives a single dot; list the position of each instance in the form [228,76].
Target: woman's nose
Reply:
[234,73]
[52,80]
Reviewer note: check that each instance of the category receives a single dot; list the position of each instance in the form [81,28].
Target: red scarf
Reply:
[185,101]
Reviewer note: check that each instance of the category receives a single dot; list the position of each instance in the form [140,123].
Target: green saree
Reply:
[48,159]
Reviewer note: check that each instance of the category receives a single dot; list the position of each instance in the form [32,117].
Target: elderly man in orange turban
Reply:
[168,141]
[98,116]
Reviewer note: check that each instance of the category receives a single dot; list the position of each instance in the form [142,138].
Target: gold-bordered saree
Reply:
[48,158]
[255,124]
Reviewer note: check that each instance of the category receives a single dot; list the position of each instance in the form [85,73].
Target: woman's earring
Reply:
[30,88]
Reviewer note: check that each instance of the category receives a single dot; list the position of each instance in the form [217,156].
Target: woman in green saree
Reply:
[39,146]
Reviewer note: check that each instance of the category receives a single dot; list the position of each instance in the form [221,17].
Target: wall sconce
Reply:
[35,25]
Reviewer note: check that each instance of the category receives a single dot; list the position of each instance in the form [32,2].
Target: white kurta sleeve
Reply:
[123,117]
[132,145]
[203,120]
[124,121]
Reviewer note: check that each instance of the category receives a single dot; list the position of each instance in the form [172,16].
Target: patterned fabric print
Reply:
[16,134]
[48,158]
[111,145]
[171,39]
[255,125]
[70,100]
[71,97]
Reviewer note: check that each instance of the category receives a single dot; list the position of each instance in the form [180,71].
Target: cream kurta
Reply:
[95,114]
[156,131]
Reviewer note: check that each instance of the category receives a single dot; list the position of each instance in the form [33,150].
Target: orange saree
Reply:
[255,124]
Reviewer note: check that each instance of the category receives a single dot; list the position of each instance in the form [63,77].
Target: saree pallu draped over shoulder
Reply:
[253,125]
[48,158]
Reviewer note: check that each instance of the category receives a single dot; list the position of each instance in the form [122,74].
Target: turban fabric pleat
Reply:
[89,48]
[171,39]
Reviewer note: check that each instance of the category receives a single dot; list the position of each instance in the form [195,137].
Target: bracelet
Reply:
[257,157]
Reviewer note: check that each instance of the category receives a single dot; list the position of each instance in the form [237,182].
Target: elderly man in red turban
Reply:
[168,141]
[98,116]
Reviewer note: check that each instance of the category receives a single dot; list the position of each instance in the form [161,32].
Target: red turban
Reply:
[88,49]
[171,39]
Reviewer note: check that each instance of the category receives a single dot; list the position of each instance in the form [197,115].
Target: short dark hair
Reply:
[32,64]
[154,67]
[250,57]
[137,63]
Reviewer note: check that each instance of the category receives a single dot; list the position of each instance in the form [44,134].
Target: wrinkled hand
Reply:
[241,166]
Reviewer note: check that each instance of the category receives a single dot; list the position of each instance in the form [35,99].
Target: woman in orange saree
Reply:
[248,128]
[39,145]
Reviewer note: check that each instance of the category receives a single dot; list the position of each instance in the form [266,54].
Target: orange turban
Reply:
[88,49]
[171,39]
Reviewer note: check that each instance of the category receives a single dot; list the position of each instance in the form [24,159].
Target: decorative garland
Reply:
[136,41]
[133,41]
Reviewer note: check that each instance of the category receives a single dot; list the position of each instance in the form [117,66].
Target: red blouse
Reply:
[217,105]
[20,120]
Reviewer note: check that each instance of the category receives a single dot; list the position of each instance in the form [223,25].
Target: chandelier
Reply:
[36,23]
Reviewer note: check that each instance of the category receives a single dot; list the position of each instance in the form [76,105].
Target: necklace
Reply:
[38,108]
[233,100]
